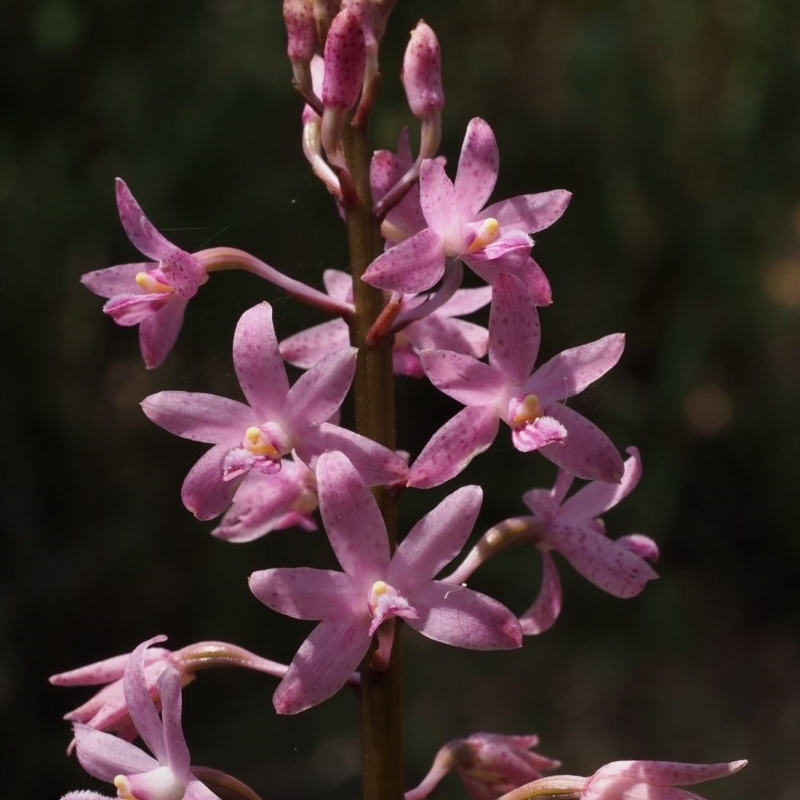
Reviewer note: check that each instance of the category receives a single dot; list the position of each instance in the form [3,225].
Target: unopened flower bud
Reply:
[345,57]
[422,72]
[298,16]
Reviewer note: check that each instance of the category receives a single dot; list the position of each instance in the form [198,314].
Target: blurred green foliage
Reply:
[676,126]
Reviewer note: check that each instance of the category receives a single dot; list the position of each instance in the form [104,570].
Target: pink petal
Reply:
[131,309]
[514,330]
[157,333]
[454,445]
[142,709]
[529,272]
[465,301]
[204,492]
[477,168]
[435,540]
[376,464]
[338,284]
[608,565]
[586,452]
[318,393]
[529,212]
[138,228]
[463,377]
[351,518]
[307,593]
[323,664]
[200,417]
[598,496]
[642,546]
[176,750]
[105,756]
[437,332]
[306,348]
[669,773]
[115,280]
[413,265]
[571,371]
[258,362]
[462,617]
[438,200]
[545,609]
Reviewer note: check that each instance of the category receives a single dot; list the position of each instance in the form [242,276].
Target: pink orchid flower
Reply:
[255,436]
[165,775]
[440,329]
[153,294]
[489,240]
[488,764]
[530,402]
[360,602]
[571,527]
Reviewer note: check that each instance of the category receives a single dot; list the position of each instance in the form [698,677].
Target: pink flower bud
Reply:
[345,59]
[422,72]
[301,29]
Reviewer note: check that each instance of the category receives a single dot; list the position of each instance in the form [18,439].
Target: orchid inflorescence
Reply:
[282,455]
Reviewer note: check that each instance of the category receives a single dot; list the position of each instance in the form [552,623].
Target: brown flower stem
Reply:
[373,386]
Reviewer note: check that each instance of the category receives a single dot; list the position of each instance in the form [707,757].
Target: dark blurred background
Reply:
[676,126]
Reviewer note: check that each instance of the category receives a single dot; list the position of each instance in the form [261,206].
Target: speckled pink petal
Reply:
[529,212]
[258,362]
[308,347]
[200,417]
[437,197]
[105,756]
[477,168]
[571,371]
[435,540]
[158,333]
[318,393]
[514,329]
[545,609]
[115,280]
[204,492]
[608,565]
[598,496]
[413,265]
[463,377]
[586,452]
[454,445]
[323,664]
[437,332]
[351,518]
[307,593]
[139,229]
[461,617]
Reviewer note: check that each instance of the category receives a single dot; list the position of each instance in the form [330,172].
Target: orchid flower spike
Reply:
[488,240]
[153,294]
[374,587]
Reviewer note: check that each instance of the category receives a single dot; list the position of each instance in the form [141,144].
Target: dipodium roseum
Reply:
[277,418]
[489,240]
[152,294]
[530,402]
[374,587]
